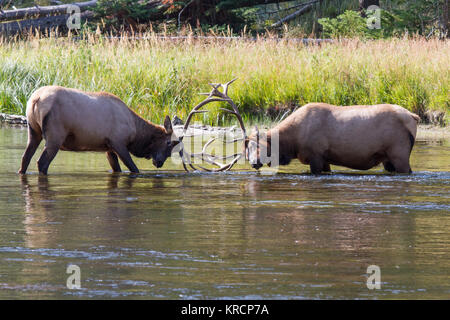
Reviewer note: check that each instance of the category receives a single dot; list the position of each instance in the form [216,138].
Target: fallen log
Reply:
[41,24]
[42,11]
[307,6]
[13,120]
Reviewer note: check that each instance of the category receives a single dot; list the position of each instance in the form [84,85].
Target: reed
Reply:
[156,77]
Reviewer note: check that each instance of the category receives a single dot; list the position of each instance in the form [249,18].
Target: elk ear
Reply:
[168,125]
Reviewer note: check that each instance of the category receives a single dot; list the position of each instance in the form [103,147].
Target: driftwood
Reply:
[42,11]
[13,120]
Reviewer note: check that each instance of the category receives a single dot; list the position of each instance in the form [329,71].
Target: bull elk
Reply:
[73,120]
[357,137]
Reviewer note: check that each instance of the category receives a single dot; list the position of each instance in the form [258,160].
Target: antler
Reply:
[214,95]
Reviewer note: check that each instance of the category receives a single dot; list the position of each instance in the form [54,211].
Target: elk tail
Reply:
[412,128]
[31,112]
[415,117]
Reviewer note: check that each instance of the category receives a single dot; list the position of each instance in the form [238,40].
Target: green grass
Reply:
[157,77]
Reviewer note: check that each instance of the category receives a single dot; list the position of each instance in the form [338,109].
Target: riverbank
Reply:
[424,131]
[431,132]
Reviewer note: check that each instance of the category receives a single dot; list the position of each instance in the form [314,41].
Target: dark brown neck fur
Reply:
[147,134]
[287,146]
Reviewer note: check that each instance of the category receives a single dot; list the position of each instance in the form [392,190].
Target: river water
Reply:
[167,234]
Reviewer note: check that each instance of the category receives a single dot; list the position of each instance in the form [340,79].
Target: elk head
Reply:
[162,146]
[258,148]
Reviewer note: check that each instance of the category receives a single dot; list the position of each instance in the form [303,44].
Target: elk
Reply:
[73,120]
[357,137]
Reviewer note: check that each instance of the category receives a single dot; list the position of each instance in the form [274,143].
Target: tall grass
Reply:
[157,77]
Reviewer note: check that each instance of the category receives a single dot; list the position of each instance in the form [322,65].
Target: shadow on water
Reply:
[168,234]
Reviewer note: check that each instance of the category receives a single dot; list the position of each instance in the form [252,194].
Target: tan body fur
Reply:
[73,120]
[358,137]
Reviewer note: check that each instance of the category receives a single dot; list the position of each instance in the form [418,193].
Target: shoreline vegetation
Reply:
[424,131]
[156,77]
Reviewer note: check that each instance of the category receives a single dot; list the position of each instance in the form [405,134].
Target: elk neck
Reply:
[286,141]
[147,134]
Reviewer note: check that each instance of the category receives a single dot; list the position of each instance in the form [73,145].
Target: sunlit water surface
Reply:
[172,235]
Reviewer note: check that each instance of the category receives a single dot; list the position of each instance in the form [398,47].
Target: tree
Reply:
[364,4]
[444,20]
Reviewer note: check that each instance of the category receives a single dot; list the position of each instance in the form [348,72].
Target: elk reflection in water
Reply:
[168,234]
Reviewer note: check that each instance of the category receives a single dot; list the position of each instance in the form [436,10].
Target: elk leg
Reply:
[399,158]
[46,158]
[34,139]
[388,166]
[113,161]
[316,165]
[124,155]
[326,167]
[401,165]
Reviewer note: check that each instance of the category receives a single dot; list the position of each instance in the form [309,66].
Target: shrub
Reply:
[347,25]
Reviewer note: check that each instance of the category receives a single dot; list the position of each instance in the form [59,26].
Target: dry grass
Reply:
[157,77]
